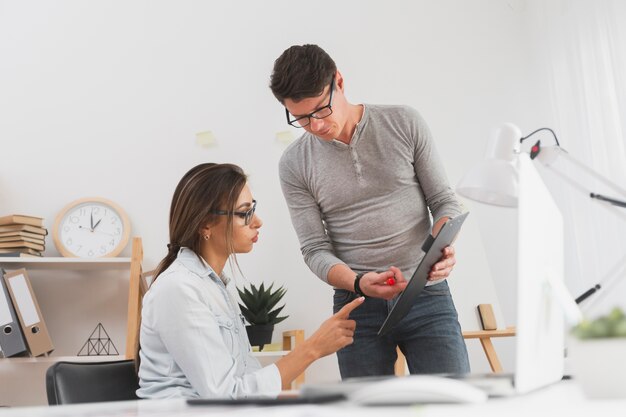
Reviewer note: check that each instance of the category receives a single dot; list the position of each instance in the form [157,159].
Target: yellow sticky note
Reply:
[285,136]
[206,139]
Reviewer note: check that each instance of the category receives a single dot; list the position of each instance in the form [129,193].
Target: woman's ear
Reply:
[205,233]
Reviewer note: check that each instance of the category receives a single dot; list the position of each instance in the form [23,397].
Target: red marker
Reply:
[391,281]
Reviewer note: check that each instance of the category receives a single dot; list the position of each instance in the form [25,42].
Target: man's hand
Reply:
[444,266]
[336,332]
[378,285]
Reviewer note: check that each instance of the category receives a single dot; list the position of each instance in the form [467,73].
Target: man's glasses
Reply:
[320,113]
[245,215]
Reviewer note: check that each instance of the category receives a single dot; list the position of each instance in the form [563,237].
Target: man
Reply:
[360,185]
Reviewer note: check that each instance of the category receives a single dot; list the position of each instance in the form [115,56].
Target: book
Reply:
[23,227]
[19,239]
[21,250]
[18,255]
[18,234]
[22,244]
[22,219]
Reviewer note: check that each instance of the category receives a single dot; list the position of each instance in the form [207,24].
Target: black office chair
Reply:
[85,382]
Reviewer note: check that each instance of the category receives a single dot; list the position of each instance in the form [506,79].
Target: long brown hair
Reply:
[203,189]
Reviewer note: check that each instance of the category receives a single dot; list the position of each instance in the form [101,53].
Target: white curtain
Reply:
[581,46]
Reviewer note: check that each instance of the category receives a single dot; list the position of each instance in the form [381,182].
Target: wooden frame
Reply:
[485,340]
[135,294]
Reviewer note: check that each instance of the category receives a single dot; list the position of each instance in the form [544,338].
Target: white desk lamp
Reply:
[508,178]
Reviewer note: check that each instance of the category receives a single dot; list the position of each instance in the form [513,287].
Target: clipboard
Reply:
[433,247]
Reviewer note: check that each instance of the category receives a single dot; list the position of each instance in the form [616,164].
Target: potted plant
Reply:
[596,354]
[260,311]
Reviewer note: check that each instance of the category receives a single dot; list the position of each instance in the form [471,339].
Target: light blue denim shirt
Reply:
[193,340]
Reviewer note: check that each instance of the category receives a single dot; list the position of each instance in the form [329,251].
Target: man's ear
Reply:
[339,81]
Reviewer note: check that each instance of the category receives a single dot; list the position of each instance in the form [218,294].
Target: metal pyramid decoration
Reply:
[98,344]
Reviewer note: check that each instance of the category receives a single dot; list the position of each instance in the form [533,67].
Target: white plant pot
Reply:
[599,366]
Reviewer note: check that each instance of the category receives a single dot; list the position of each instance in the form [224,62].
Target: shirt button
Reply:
[230,323]
[236,330]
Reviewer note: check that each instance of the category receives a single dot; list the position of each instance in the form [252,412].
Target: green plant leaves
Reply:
[611,325]
[259,304]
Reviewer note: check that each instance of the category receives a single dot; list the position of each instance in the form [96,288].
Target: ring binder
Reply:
[28,312]
[12,341]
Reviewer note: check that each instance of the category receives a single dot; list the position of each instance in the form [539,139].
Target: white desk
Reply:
[563,399]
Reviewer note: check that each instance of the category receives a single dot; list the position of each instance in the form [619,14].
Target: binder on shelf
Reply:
[11,337]
[28,312]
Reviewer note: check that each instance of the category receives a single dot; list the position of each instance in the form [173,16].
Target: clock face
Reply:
[91,229]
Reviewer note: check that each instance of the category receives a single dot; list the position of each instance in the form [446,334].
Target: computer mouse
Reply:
[417,389]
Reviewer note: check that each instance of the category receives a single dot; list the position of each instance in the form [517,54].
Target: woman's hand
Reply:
[336,332]
[333,334]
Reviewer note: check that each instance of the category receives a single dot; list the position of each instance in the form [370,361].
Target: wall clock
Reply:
[91,228]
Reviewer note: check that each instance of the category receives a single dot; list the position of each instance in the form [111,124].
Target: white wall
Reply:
[103,98]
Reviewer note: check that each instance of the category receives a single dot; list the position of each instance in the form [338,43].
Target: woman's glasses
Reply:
[245,215]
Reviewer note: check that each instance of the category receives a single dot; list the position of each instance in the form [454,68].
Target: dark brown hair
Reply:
[202,190]
[302,71]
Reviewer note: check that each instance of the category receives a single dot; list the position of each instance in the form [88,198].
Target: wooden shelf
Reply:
[57,262]
[29,372]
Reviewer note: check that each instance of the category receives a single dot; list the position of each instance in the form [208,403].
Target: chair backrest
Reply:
[84,382]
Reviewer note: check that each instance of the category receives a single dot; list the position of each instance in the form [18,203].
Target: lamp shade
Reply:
[495,179]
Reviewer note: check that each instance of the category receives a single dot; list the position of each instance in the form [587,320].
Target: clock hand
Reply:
[91,220]
[104,233]
[96,225]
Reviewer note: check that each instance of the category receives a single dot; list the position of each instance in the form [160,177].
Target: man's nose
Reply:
[316,124]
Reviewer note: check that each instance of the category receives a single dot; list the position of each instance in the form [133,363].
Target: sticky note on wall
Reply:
[206,139]
[286,136]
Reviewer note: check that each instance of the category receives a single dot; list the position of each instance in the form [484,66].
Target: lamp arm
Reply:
[613,201]
[594,174]
[606,281]
[608,206]
[591,291]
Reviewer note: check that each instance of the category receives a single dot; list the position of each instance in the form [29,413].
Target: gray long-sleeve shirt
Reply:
[367,204]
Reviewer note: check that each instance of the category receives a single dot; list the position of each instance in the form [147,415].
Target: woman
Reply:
[192,336]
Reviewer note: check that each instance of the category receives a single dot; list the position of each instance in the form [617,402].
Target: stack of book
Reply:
[22,236]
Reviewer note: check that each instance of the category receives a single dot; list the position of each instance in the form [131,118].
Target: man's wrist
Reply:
[357,285]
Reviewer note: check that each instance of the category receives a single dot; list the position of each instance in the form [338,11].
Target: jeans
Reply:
[429,336]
